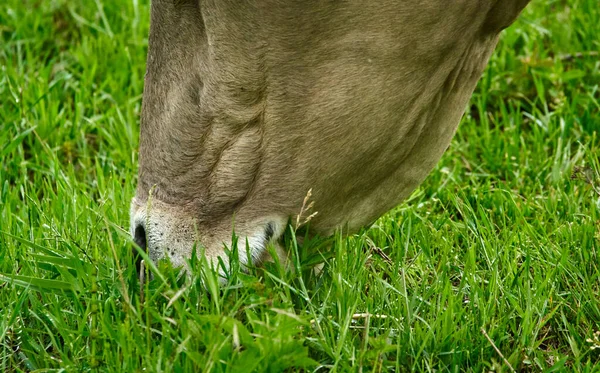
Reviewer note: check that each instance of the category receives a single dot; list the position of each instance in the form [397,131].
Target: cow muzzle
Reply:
[170,233]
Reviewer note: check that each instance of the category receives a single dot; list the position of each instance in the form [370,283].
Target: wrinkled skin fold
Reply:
[248,105]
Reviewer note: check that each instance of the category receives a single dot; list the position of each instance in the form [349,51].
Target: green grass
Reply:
[503,237]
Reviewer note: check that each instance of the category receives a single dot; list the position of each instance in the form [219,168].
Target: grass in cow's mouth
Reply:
[492,264]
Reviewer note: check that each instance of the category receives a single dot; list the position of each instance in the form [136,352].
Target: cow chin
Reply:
[168,232]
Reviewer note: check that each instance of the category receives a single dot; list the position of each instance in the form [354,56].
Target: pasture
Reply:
[493,264]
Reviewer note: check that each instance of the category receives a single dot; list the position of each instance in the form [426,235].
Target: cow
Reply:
[249,105]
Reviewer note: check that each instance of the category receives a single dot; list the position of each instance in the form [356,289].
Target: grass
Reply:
[491,265]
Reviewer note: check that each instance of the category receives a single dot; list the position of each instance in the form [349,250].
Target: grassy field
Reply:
[493,264]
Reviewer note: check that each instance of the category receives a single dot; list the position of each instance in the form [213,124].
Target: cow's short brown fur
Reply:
[249,104]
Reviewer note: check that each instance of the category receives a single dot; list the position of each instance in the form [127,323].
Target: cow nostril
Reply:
[139,237]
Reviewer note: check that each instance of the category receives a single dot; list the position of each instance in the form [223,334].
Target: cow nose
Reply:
[139,237]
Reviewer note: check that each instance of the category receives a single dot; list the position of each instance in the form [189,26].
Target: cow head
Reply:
[249,105]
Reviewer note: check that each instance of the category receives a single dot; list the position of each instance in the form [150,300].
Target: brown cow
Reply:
[250,104]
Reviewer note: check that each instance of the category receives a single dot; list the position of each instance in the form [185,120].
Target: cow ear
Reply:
[503,14]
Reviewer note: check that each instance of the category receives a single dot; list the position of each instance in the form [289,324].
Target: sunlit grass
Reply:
[502,238]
